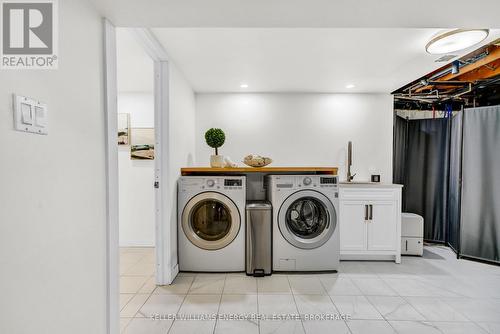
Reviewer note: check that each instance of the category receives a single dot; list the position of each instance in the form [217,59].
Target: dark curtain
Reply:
[480,223]
[454,190]
[399,149]
[426,174]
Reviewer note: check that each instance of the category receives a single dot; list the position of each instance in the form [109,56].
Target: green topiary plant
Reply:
[215,138]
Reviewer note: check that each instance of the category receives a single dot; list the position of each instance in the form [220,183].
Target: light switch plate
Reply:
[30,115]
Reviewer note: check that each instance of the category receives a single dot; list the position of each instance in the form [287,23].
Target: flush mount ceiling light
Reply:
[456,40]
[349,86]
[244,85]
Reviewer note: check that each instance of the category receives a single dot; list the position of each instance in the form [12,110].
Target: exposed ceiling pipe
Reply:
[412,98]
[468,90]
[456,65]
[448,83]
[432,98]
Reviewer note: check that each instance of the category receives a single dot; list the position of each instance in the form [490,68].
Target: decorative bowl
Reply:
[254,160]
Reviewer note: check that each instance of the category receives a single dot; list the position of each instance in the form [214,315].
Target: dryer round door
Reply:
[211,220]
[307,219]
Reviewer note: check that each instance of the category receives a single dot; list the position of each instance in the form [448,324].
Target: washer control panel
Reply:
[307,181]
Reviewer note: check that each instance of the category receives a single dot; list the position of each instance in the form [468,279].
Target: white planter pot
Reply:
[216,161]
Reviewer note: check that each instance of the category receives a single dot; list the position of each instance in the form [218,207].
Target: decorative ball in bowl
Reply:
[253,160]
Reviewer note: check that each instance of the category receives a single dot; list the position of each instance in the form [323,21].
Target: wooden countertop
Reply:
[243,170]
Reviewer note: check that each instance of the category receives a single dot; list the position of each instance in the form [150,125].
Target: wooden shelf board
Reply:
[209,170]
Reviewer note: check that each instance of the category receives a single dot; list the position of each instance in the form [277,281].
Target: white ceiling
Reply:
[134,66]
[300,59]
[291,46]
[302,13]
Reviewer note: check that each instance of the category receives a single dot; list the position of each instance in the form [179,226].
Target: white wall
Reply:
[301,129]
[53,189]
[136,177]
[140,106]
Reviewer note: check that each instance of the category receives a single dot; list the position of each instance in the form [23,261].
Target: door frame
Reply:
[166,257]
[112,209]
[165,269]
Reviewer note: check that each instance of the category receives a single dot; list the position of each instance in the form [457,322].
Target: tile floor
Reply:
[433,294]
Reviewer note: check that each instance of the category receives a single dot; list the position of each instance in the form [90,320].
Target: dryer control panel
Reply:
[197,183]
[228,183]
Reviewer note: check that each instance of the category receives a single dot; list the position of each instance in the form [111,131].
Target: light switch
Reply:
[26,116]
[30,115]
[40,119]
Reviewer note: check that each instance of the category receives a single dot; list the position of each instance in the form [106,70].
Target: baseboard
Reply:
[367,257]
[478,259]
[175,271]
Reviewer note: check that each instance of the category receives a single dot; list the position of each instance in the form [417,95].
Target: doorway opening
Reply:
[136,173]
[141,201]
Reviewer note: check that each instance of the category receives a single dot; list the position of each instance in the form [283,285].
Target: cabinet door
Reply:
[382,226]
[352,225]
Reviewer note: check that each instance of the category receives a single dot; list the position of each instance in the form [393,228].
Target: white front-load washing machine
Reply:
[305,226]
[211,223]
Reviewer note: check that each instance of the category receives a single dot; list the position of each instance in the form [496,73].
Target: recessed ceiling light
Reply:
[244,85]
[456,40]
[349,86]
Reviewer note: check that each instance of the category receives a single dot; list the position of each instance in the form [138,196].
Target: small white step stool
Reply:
[412,234]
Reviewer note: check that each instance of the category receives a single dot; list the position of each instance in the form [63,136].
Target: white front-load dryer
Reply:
[305,226]
[211,223]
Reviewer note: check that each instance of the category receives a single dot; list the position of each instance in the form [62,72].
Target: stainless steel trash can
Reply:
[258,238]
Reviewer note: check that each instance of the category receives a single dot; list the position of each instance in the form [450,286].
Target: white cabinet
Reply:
[382,226]
[353,225]
[370,222]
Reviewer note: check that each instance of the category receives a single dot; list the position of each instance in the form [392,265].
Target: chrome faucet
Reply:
[350,176]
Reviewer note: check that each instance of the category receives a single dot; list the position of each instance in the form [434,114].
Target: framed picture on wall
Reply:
[123,129]
[142,146]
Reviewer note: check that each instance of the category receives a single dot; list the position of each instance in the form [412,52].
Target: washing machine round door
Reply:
[307,219]
[211,220]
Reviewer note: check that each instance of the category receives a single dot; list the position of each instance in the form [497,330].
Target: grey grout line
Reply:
[137,293]
[122,330]
[445,289]
[383,276]
[258,308]
[134,316]
[183,300]
[413,307]
[389,323]
[451,305]
[220,301]
[295,302]
[480,327]
[134,295]
[338,310]
[376,308]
